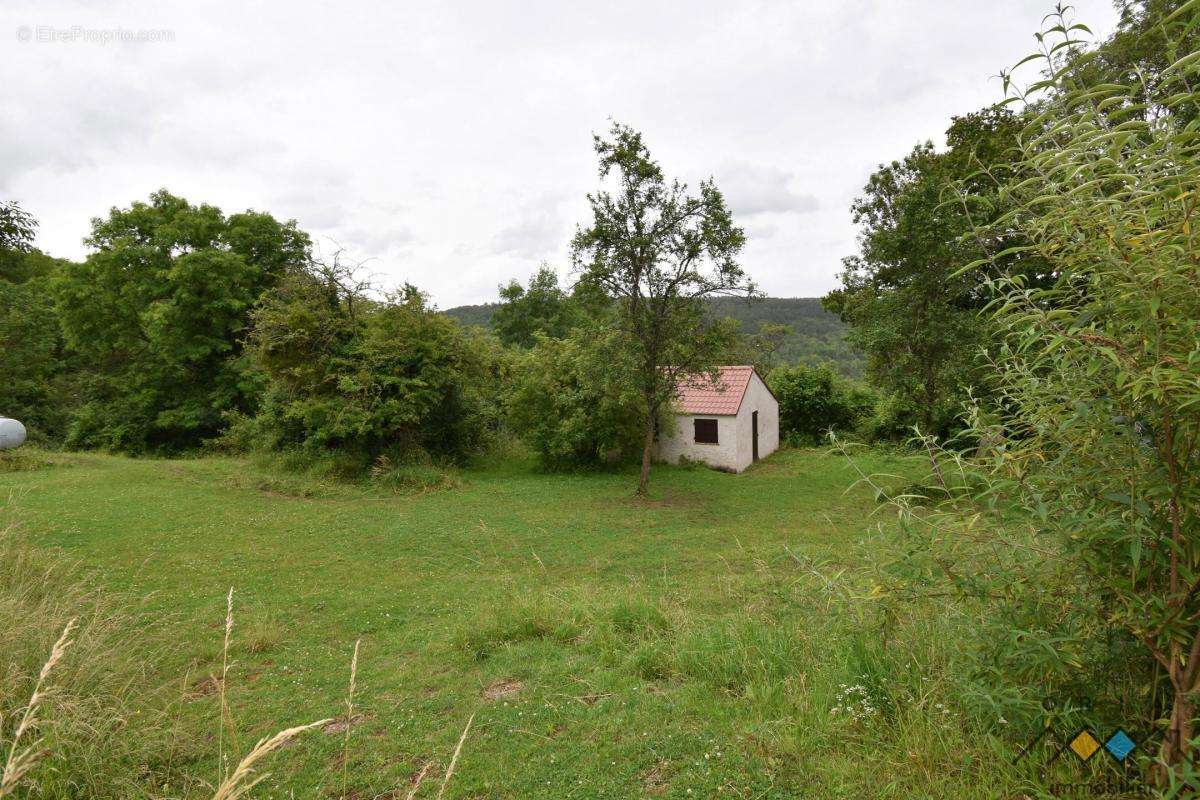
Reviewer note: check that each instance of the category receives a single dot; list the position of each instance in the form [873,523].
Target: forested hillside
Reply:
[480,315]
[818,336]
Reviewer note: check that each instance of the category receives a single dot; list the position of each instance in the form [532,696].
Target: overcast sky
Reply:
[451,142]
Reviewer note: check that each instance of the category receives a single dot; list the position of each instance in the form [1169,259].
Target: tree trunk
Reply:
[929,406]
[1176,746]
[644,480]
[1179,735]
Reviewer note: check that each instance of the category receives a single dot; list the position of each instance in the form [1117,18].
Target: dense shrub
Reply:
[894,418]
[1084,554]
[571,399]
[367,378]
[814,400]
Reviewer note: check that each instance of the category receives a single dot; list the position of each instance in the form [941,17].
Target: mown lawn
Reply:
[609,647]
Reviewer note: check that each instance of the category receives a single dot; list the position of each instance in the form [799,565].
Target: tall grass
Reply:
[243,777]
[22,755]
[454,759]
[101,713]
[94,722]
[223,704]
[825,676]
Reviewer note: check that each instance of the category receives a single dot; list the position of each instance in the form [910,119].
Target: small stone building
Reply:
[729,424]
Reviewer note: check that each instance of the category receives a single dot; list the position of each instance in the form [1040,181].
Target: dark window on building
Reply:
[706,431]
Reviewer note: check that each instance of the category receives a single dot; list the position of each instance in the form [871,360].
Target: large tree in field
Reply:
[658,251]
[159,310]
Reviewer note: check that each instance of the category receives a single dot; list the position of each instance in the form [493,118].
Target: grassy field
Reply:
[680,646]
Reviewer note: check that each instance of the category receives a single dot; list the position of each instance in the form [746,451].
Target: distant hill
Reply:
[480,315]
[819,336]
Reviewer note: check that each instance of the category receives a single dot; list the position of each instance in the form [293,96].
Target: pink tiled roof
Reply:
[697,394]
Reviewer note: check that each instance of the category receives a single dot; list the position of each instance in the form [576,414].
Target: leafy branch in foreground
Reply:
[1099,374]
[1085,464]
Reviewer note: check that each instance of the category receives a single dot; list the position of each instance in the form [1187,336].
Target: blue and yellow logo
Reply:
[1118,748]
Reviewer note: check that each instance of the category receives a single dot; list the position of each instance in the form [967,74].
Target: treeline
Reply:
[809,334]
[547,324]
[186,328]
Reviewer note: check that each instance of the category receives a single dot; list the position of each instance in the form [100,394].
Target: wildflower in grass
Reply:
[854,703]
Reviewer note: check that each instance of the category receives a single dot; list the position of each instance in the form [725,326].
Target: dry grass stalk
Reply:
[19,762]
[416,782]
[454,759]
[349,716]
[243,779]
[224,709]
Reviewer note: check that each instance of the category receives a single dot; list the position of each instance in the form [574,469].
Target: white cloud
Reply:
[537,231]
[751,189]
[451,142]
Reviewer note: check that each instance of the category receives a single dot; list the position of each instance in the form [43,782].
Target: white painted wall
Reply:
[758,398]
[734,448]
[680,443]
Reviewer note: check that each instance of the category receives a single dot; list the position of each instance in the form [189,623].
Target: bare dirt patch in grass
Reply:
[655,781]
[502,688]
[204,687]
[340,724]
[662,498]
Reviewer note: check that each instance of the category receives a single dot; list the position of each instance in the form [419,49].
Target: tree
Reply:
[658,252]
[917,321]
[17,230]
[159,311]
[1138,54]
[36,370]
[542,308]
[32,361]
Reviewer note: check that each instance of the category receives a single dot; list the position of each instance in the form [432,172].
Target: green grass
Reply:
[610,647]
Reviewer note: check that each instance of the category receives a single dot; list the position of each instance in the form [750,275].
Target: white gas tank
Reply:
[12,434]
